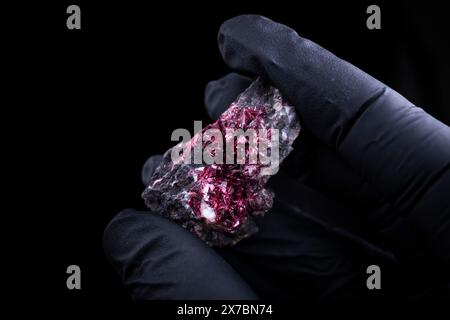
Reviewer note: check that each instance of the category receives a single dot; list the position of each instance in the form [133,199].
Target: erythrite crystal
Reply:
[216,198]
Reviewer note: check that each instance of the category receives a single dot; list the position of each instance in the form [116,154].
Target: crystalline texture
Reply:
[217,201]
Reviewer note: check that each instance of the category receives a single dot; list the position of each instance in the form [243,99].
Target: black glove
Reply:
[369,171]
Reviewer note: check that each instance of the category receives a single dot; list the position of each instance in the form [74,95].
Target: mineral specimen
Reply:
[215,198]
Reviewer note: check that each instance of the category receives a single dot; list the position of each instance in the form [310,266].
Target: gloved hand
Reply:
[368,183]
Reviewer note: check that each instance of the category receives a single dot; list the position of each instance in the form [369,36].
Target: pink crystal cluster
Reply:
[226,194]
[217,201]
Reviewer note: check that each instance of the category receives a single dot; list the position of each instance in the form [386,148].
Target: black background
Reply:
[96,102]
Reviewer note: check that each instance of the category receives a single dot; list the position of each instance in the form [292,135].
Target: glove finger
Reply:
[157,259]
[327,91]
[219,94]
